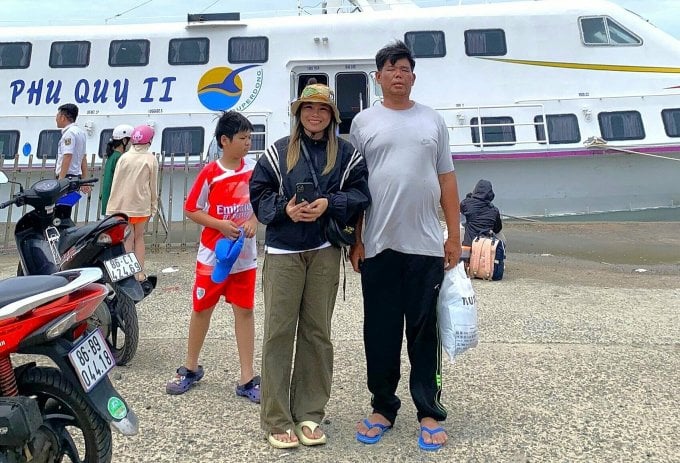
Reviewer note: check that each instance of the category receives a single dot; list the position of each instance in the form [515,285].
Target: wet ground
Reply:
[634,243]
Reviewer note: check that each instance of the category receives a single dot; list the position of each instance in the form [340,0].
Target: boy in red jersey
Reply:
[220,201]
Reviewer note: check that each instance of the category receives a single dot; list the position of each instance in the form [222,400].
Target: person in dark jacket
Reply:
[301,269]
[481,216]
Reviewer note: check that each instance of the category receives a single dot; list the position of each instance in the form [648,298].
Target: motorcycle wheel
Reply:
[83,436]
[123,335]
[101,318]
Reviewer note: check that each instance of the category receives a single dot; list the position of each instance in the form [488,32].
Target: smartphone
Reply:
[304,192]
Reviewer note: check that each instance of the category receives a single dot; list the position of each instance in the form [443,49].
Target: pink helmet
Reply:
[142,134]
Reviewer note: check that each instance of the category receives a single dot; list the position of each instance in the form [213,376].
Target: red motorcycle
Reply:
[62,413]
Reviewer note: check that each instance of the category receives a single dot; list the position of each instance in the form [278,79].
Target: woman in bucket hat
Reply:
[301,268]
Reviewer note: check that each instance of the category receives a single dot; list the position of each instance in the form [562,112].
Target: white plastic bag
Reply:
[457,312]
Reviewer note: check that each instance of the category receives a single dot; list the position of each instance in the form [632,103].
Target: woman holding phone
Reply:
[301,269]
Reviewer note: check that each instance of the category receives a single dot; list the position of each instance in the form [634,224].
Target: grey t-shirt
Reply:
[405,151]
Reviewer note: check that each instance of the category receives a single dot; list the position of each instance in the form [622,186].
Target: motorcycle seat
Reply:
[17,288]
[70,236]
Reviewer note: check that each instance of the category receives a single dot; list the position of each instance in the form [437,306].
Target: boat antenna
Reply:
[209,6]
[106,21]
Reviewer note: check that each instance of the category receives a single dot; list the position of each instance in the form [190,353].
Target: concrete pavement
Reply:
[577,361]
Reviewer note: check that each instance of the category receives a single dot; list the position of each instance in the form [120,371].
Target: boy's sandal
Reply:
[250,390]
[277,444]
[312,426]
[184,380]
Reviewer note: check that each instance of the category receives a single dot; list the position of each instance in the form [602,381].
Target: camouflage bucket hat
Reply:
[316,93]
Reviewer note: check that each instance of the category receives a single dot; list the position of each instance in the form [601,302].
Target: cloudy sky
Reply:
[663,13]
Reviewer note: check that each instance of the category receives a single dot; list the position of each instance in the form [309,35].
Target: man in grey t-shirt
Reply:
[401,252]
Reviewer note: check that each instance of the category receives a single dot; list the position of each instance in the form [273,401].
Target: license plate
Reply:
[123,266]
[92,360]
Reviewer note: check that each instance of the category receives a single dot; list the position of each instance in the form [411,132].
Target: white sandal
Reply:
[277,444]
[309,440]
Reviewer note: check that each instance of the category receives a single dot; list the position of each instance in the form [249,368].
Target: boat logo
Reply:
[221,88]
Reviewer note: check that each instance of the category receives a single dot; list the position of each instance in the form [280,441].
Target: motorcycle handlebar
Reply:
[7,203]
[73,184]
[85,181]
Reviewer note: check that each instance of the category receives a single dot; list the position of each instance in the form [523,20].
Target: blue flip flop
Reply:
[424,445]
[364,439]
[226,254]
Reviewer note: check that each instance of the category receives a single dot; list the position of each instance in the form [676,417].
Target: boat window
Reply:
[15,55]
[188,51]
[70,54]
[248,50]
[257,138]
[602,30]
[351,89]
[496,131]
[621,125]
[426,44]
[104,138]
[671,121]
[485,42]
[619,35]
[48,144]
[129,53]
[182,141]
[9,143]
[562,128]
[304,79]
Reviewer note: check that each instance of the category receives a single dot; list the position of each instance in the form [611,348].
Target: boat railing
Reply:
[464,115]
[168,229]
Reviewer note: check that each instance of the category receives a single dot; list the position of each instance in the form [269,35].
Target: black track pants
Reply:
[400,287]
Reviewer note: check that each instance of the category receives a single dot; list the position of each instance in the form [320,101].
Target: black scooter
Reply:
[48,242]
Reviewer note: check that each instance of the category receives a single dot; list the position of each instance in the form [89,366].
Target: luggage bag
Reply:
[487,258]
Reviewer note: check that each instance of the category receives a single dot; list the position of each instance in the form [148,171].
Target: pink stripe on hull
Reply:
[561,153]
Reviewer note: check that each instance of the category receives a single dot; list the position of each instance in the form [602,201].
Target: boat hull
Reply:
[584,184]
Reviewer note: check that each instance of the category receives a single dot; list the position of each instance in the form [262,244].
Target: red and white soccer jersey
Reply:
[224,194]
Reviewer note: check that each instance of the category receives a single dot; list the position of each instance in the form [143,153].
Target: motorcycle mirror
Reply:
[4,180]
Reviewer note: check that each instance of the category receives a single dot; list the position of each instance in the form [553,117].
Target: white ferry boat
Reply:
[566,107]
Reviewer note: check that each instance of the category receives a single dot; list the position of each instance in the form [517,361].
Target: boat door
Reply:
[350,82]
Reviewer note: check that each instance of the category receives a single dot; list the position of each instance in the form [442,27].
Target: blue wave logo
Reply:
[220,88]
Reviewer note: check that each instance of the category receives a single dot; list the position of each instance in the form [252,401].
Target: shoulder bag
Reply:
[337,233]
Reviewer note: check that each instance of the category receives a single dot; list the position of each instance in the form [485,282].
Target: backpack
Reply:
[487,258]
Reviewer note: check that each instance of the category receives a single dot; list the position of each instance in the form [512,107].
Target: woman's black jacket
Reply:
[272,186]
